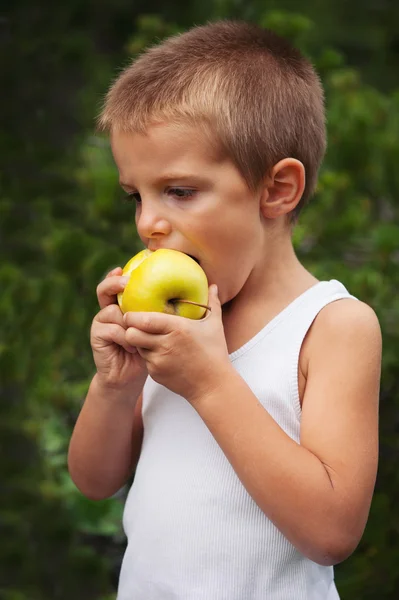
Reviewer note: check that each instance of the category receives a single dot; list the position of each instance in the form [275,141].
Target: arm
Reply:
[106,442]
[317,493]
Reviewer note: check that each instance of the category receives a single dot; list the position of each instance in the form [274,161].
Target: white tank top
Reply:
[193,531]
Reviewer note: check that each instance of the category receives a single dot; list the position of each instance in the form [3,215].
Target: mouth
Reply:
[194,258]
[186,253]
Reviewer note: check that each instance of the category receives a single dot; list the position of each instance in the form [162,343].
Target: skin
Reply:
[243,242]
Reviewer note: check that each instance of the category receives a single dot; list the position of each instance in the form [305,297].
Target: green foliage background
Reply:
[63,224]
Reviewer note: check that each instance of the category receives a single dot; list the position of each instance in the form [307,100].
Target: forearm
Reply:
[100,451]
[288,482]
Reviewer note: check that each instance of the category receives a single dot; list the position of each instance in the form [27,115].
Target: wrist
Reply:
[114,391]
[212,385]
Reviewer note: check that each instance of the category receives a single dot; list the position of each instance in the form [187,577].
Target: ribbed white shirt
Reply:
[193,531]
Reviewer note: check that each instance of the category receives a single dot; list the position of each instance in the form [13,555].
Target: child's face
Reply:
[189,200]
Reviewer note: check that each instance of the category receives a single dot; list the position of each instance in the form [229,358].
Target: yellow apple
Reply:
[165,281]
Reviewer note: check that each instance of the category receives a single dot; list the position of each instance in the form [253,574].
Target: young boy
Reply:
[253,432]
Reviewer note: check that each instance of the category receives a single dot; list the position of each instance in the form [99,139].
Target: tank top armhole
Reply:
[301,334]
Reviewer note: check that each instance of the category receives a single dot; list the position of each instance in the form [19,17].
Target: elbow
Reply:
[334,551]
[92,494]
[92,490]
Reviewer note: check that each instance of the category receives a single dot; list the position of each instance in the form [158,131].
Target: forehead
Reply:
[166,146]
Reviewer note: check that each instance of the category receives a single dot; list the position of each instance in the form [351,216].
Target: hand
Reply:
[118,362]
[187,356]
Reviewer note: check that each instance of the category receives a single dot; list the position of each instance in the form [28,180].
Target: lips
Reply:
[194,258]
[190,255]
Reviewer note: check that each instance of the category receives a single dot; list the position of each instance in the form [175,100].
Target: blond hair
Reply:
[248,88]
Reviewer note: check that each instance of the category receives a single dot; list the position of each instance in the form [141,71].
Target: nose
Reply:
[151,220]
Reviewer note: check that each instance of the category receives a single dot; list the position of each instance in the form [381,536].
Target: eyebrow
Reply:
[172,177]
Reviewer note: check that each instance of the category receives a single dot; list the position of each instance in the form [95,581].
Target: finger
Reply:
[141,339]
[116,271]
[109,287]
[214,301]
[104,334]
[110,314]
[144,353]
[153,322]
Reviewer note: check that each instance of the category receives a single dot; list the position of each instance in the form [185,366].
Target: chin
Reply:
[228,297]
[226,300]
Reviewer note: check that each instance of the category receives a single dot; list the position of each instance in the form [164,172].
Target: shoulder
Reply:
[347,319]
[346,326]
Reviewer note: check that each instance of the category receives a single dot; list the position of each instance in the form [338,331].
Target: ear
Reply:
[283,188]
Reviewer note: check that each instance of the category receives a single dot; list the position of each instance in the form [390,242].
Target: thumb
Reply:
[213,299]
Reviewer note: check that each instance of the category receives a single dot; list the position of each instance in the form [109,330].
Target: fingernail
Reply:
[123,280]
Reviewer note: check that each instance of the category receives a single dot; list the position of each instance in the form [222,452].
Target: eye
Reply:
[133,197]
[181,192]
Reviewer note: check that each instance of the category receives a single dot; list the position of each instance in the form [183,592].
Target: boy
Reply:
[253,432]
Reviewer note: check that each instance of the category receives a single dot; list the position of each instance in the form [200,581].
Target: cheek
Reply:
[232,263]
[236,245]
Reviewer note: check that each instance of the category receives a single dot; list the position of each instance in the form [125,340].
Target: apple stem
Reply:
[190,302]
